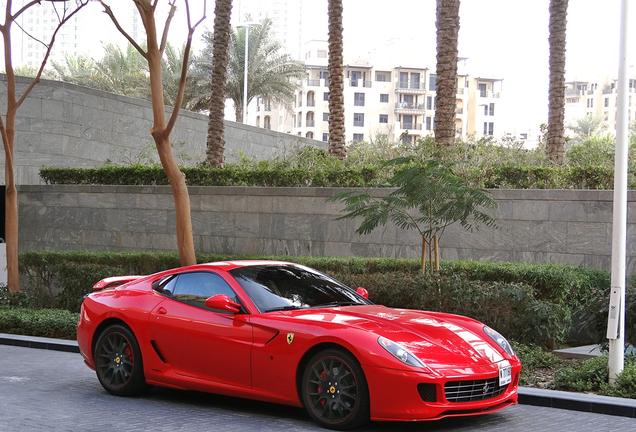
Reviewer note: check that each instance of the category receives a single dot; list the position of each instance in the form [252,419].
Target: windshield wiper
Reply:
[282,308]
[338,303]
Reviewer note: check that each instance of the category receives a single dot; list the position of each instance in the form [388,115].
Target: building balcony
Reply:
[267,107]
[410,87]
[488,94]
[267,126]
[311,123]
[409,107]
[360,83]
[461,91]
[459,110]
[411,126]
[313,83]
[574,92]
[311,103]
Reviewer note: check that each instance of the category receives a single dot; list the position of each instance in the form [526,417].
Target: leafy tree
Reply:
[220,46]
[447,35]
[556,113]
[271,73]
[587,126]
[7,124]
[336,82]
[632,134]
[161,129]
[429,197]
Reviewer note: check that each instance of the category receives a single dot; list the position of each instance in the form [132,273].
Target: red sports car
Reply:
[285,333]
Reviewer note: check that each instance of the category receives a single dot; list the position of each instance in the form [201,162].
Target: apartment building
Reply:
[598,97]
[398,101]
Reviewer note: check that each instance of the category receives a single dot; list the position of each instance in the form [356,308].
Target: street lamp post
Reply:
[246,25]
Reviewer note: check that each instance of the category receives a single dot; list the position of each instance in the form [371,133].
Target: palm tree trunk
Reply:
[216,128]
[336,82]
[447,36]
[556,114]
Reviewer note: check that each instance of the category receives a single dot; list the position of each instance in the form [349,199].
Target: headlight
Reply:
[499,340]
[400,353]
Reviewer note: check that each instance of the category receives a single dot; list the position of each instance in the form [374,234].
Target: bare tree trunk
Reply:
[447,39]
[216,128]
[336,82]
[556,115]
[11,206]
[423,260]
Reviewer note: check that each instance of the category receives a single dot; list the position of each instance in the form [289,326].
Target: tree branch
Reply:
[49,47]
[164,36]
[184,68]
[24,8]
[108,11]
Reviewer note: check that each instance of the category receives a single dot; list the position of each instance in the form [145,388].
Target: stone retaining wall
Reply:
[563,226]
[63,125]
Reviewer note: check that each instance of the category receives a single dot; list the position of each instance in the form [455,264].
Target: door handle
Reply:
[162,311]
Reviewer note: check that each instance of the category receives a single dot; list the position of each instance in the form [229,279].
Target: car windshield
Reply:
[284,287]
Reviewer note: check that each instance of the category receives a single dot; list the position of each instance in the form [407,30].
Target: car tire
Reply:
[334,390]
[118,362]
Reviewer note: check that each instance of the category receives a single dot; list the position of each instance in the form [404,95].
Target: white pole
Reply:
[247,35]
[616,317]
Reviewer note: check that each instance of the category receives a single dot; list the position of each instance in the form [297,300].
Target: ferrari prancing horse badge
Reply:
[290,338]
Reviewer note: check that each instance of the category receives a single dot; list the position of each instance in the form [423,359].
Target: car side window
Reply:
[194,288]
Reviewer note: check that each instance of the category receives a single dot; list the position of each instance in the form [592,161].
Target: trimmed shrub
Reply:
[56,323]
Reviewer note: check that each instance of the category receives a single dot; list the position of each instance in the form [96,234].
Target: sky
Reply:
[505,39]
[501,38]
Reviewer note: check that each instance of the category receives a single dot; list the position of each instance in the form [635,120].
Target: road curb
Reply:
[578,402]
[39,342]
[527,395]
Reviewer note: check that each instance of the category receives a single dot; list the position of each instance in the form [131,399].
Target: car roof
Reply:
[229,265]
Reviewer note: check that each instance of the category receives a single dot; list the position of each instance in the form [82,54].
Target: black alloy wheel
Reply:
[335,391]
[118,362]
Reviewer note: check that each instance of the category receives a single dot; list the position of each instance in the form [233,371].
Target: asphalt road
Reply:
[44,390]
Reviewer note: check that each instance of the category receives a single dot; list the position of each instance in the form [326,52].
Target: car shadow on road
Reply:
[276,411]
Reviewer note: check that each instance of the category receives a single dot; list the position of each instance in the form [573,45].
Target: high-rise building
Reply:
[286,16]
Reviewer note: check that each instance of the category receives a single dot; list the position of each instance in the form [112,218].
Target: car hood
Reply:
[437,339]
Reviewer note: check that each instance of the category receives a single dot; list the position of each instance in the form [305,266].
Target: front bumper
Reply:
[395,396]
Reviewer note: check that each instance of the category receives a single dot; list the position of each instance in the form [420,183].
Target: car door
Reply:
[197,341]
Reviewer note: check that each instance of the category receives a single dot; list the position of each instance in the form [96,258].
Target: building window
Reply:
[384,118]
[325,116]
[325,137]
[382,76]
[606,116]
[358,99]
[322,54]
[432,82]
[428,123]
[590,103]
[358,137]
[384,98]
[606,102]
[325,96]
[489,128]
[491,110]
[358,119]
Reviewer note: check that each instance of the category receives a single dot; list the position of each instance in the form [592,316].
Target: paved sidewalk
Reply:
[527,395]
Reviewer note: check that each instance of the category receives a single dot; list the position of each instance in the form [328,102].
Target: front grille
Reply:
[427,392]
[470,391]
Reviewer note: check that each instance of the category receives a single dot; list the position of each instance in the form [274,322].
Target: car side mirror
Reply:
[222,302]
[363,292]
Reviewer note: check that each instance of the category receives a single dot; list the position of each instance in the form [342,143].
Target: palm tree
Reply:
[447,35]
[587,126]
[336,82]
[220,47]
[556,112]
[272,74]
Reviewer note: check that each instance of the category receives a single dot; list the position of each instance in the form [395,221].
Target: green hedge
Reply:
[55,323]
[530,303]
[204,176]
[495,177]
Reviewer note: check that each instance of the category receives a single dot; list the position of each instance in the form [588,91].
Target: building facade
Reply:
[599,98]
[382,99]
